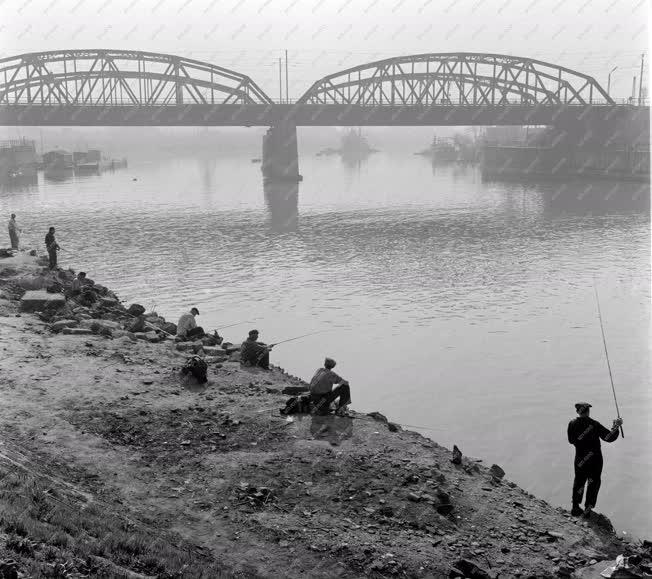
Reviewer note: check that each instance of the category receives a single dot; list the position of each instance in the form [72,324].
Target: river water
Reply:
[461,307]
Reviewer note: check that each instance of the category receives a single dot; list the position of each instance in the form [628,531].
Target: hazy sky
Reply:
[324,36]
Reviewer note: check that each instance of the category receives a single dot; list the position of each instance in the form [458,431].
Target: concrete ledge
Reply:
[39,300]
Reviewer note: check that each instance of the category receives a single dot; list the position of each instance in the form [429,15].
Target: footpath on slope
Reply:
[113,464]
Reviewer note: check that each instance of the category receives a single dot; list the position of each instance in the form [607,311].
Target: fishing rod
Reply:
[270,346]
[236,324]
[296,338]
[606,353]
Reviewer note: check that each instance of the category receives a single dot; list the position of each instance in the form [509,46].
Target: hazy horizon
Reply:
[326,36]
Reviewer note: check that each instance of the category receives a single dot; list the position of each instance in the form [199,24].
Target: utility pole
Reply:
[609,79]
[280,81]
[640,82]
[633,89]
[287,90]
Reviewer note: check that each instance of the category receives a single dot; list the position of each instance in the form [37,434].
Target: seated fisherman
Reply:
[77,283]
[322,392]
[81,290]
[187,327]
[255,353]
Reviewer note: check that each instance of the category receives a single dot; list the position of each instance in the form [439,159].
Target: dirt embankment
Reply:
[112,464]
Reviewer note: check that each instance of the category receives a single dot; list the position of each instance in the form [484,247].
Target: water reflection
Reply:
[598,197]
[18,182]
[353,162]
[332,428]
[282,200]
[58,174]
[456,168]
[207,174]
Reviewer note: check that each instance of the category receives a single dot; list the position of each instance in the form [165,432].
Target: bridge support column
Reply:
[280,153]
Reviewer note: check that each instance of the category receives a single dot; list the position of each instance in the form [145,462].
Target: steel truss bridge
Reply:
[118,87]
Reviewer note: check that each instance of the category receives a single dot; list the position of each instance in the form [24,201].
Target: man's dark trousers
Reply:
[52,254]
[263,361]
[587,470]
[321,402]
[197,332]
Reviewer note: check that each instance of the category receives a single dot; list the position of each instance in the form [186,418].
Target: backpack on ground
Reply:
[297,405]
[196,366]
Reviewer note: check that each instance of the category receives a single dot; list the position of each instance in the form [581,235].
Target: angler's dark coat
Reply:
[585,434]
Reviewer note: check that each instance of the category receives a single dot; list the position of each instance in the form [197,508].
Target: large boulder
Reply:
[102,290]
[77,331]
[497,472]
[468,569]
[135,310]
[169,328]
[214,351]
[103,324]
[230,348]
[40,300]
[61,324]
[108,302]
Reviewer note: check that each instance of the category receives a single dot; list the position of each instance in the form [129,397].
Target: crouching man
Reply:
[255,353]
[187,328]
[322,392]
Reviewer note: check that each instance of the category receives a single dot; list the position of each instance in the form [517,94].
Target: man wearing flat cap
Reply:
[322,392]
[255,353]
[187,327]
[585,434]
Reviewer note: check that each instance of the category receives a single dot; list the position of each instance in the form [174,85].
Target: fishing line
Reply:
[606,353]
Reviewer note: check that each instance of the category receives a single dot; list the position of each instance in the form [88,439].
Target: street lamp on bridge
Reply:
[609,79]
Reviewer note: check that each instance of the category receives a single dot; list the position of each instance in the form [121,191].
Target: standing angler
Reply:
[52,247]
[585,434]
[13,232]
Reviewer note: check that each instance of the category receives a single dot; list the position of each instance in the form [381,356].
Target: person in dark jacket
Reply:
[52,247]
[255,353]
[322,392]
[14,232]
[585,434]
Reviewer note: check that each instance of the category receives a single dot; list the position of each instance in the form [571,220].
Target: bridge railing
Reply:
[444,103]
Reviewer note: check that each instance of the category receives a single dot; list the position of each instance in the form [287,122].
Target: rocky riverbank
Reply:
[113,464]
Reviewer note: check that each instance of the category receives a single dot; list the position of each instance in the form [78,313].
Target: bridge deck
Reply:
[315,115]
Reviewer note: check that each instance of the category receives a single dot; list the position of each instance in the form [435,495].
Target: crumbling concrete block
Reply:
[40,300]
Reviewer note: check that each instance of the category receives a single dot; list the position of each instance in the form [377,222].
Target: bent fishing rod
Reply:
[606,353]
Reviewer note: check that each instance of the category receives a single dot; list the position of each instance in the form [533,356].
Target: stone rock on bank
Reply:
[61,324]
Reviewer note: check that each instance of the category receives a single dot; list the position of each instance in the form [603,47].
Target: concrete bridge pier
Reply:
[280,153]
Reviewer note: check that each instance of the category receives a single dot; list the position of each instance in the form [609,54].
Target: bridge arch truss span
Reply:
[118,77]
[463,78]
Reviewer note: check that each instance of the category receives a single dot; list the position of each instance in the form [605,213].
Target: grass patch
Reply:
[56,536]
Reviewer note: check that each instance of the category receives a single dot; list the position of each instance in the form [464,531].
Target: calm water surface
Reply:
[462,307]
